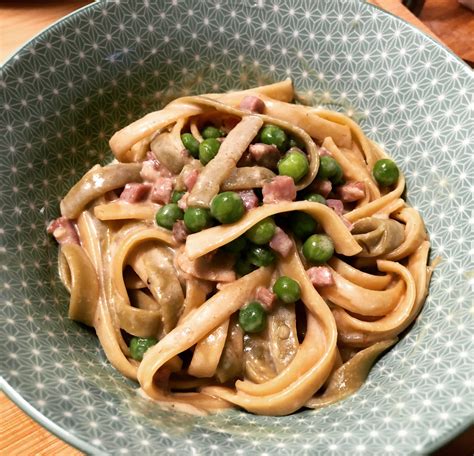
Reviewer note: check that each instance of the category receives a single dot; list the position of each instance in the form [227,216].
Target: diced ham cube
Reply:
[322,186]
[323,151]
[161,191]
[281,242]
[320,276]
[246,159]
[336,205]
[352,191]
[64,231]
[253,104]
[258,150]
[280,188]
[265,297]
[180,233]
[132,193]
[228,123]
[152,169]
[265,154]
[190,178]
[183,201]
[249,199]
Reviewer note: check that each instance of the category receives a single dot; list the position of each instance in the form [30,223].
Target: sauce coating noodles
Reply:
[242,250]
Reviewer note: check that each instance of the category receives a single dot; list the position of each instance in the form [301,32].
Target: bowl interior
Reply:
[65,93]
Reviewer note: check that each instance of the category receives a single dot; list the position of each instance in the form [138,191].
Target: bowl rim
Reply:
[45,422]
[82,445]
[436,42]
[14,55]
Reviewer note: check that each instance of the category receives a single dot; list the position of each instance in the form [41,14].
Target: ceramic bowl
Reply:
[65,93]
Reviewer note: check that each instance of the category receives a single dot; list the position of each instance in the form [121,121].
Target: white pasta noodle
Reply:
[165,254]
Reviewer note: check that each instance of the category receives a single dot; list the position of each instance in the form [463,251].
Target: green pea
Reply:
[191,144]
[139,345]
[236,246]
[315,198]
[271,134]
[302,224]
[260,256]
[318,248]
[227,207]
[287,289]
[294,164]
[243,267]
[211,132]
[296,142]
[252,317]
[208,150]
[262,232]
[176,196]
[329,169]
[197,218]
[338,178]
[386,172]
[168,214]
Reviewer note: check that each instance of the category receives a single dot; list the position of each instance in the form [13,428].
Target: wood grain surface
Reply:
[21,436]
[453,23]
[445,20]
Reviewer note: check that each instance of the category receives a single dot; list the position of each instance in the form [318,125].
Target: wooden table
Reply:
[21,20]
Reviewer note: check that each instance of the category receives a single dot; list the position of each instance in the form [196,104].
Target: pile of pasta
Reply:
[129,278]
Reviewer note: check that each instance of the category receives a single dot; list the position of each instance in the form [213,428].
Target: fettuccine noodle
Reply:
[238,247]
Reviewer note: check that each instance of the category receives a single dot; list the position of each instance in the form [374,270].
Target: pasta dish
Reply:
[245,251]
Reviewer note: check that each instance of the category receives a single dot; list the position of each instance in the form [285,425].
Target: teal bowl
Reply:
[65,93]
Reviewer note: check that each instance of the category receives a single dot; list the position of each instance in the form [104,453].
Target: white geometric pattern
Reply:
[66,92]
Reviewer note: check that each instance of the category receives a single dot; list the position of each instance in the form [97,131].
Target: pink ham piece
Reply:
[280,188]
[266,297]
[352,191]
[132,193]
[180,233]
[246,159]
[265,154]
[320,276]
[183,201]
[161,191]
[228,123]
[281,242]
[190,179]
[253,104]
[64,231]
[152,169]
[322,186]
[249,199]
[336,205]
